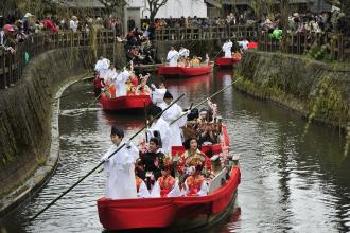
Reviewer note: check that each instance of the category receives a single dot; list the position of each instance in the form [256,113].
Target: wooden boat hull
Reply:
[178,71]
[185,213]
[226,61]
[173,213]
[125,103]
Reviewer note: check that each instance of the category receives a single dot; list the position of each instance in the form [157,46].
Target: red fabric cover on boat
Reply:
[252,45]
[223,61]
[161,212]
[183,71]
[129,102]
[215,148]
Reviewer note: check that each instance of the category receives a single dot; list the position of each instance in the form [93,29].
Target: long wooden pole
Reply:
[204,101]
[100,164]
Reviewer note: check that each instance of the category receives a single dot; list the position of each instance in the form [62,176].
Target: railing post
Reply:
[11,69]
[340,47]
[3,74]
[114,46]
[298,42]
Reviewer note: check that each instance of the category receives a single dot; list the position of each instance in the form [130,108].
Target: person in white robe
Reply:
[159,125]
[104,67]
[227,48]
[158,94]
[113,74]
[98,65]
[243,44]
[183,57]
[120,82]
[183,52]
[120,168]
[173,55]
[170,115]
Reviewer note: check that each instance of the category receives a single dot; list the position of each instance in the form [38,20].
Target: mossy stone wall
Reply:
[311,87]
[25,113]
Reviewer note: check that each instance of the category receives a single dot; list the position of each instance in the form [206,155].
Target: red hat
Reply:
[8,28]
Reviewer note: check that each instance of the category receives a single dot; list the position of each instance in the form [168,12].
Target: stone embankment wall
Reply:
[25,113]
[315,89]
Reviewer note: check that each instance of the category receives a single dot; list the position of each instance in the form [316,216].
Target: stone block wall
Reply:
[25,113]
[316,89]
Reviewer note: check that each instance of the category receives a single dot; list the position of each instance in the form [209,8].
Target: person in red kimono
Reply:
[165,184]
[134,80]
[192,157]
[196,184]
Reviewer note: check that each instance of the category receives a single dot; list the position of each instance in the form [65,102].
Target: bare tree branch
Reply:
[110,5]
[154,6]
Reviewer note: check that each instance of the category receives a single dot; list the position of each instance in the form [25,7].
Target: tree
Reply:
[111,5]
[154,6]
[344,5]
[262,7]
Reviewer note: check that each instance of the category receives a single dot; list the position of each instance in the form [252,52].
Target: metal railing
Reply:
[212,32]
[337,45]
[12,65]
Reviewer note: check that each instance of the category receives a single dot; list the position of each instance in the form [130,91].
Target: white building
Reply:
[173,8]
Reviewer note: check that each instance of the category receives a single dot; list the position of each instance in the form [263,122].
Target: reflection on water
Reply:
[289,183]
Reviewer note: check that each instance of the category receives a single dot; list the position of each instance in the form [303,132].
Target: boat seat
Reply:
[216,182]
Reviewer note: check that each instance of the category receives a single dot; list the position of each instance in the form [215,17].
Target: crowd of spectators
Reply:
[305,23]
[195,22]
[15,29]
[139,48]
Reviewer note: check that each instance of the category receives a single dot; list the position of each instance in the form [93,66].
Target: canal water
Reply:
[295,178]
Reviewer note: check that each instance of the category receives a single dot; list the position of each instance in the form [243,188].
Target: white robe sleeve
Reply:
[133,152]
[172,113]
[175,192]
[183,120]
[204,189]
[155,190]
[143,192]
[170,55]
[157,96]
[166,139]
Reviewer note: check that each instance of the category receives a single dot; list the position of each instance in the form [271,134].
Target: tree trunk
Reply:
[153,15]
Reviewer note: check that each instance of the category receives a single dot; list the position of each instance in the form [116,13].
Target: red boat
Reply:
[177,71]
[226,61]
[176,214]
[127,102]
